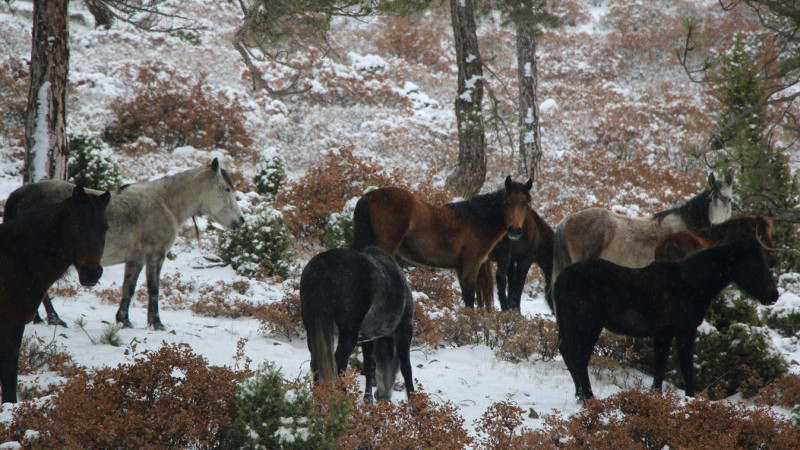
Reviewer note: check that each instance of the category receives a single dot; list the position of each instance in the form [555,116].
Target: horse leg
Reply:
[518,274]
[52,315]
[153,274]
[344,347]
[368,349]
[685,344]
[466,279]
[386,362]
[661,350]
[402,342]
[500,276]
[10,342]
[132,271]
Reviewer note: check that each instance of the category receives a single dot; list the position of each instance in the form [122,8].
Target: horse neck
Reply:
[706,273]
[182,193]
[486,210]
[544,246]
[693,213]
[39,250]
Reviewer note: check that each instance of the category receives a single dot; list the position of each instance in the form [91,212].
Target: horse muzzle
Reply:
[237,223]
[89,276]
[514,233]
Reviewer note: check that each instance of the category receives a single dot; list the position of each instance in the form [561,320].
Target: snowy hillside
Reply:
[618,119]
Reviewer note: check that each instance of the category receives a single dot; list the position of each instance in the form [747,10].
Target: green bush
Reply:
[90,163]
[339,231]
[269,413]
[726,360]
[260,247]
[270,177]
[786,321]
[732,307]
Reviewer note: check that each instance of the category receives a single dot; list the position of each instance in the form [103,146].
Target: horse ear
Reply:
[105,198]
[529,184]
[215,165]
[729,177]
[508,182]
[712,180]
[78,194]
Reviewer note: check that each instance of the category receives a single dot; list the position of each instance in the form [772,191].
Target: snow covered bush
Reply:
[91,163]
[271,413]
[283,317]
[270,177]
[339,232]
[260,248]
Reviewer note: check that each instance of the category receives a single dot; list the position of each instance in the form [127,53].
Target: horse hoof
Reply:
[126,323]
[158,326]
[368,399]
[57,322]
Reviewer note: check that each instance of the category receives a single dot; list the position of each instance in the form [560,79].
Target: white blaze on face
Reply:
[720,208]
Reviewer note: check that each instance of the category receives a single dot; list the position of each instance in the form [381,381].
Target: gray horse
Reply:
[143,221]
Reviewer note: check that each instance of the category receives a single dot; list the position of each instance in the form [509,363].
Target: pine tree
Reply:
[742,130]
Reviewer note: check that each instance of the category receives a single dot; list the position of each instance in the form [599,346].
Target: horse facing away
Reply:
[680,244]
[365,296]
[143,222]
[515,257]
[35,251]
[457,235]
[629,241]
[664,300]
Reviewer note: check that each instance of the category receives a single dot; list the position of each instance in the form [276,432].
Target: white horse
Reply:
[143,221]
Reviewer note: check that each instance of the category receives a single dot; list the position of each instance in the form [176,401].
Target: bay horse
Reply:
[515,257]
[143,223]
[35,251]
[365,297]
[630,241]
[457,235]
[682,243]
[664,300]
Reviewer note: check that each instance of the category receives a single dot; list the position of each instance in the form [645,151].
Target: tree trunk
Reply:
[470,172]
[102,15]
[45,124]
[530,147]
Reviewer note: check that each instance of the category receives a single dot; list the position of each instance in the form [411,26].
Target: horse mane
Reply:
[694,212]
[484,209]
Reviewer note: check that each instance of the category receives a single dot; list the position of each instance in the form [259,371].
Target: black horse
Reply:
[514,258]
[664,300]
[35,251]
[365,296]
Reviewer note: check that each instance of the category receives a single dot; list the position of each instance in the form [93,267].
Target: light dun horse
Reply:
[363,296]
[457,235]
[628,241]
[35,251]
[664,300]
[144,220]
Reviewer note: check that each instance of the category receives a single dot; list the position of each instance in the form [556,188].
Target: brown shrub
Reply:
[417,38]
[416,422]
[783,392]
[170,110]
[499,425]
[14,81]
[325,189]
[217,300]
[169,398]
[282,317]
[643,419]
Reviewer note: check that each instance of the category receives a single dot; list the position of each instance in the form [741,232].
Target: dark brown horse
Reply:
[515,257]
[664,300]
[365,298]
[678,245]
[457,235]
[35,251]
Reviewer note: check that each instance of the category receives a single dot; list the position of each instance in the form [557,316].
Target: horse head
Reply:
[88,233]
[220,198]
[720,192]
[751,272]
[516,197]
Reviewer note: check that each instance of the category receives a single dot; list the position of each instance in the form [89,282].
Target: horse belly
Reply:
[430,252]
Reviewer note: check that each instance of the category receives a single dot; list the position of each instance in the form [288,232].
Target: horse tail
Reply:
[561,259]
[363,233]
[484,286]
[322,349]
